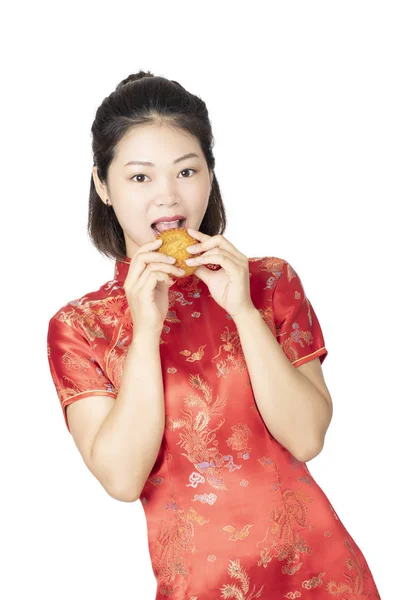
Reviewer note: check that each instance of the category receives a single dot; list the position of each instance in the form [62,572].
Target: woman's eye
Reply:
[139,175]
[194,171]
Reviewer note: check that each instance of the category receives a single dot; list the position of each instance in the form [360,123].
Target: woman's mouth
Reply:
[163,226]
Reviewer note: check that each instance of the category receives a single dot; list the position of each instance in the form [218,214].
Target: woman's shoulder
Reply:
[266,266]
[265,263]
[109,299]
[265,273]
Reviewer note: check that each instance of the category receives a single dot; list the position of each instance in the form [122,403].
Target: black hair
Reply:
[143,98]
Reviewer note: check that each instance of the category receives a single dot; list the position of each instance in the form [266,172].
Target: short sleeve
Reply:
[297,327]
[75,372]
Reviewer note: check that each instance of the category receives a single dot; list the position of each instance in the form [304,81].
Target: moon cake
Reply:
[174,243]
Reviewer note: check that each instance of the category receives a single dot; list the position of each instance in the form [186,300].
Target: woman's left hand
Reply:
[230,285]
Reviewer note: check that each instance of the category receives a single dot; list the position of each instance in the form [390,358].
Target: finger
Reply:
[150,247]
[152,280]
[203,259]
[140,261]
[198,235]
[231,266]
[217,241]
[156,268]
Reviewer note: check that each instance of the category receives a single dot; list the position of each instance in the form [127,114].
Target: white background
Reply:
[304,103]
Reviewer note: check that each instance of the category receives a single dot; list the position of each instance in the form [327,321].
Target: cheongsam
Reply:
[230,512]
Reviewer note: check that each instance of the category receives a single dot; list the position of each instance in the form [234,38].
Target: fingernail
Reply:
[191,261]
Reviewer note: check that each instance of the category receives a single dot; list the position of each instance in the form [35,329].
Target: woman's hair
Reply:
[143,98]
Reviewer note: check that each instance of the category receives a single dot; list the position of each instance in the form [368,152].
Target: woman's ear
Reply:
[101,188]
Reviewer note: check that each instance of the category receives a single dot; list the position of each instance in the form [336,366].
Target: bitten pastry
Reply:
[174,243]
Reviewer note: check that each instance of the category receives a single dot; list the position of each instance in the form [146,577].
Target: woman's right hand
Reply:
[147,285]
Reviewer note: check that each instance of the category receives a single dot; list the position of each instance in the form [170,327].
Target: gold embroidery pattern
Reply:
[236,571]
[94,313]
[235,360]
[196,436]
[238,441]
[353,587]
[174,539]
[286,543]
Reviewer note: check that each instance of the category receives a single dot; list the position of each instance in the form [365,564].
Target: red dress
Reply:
[230,512]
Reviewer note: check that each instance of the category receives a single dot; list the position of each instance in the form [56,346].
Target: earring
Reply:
[107,202]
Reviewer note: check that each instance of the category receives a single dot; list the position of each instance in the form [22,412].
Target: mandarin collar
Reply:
[121,269]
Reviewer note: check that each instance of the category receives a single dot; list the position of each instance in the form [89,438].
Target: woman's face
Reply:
[141,194]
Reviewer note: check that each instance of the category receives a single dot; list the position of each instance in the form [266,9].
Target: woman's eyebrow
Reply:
[150,164]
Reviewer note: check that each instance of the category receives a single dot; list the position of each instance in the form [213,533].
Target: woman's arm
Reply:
[295,411]
[127,444]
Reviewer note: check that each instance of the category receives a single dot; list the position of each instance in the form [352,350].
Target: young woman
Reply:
[202,395]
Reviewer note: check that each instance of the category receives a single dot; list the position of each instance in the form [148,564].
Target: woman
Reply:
[201,395]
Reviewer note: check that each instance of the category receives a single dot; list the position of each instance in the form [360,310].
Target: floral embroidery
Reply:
[231,513]
[197,436]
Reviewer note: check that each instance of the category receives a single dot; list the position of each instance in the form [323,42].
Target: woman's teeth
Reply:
[164,225]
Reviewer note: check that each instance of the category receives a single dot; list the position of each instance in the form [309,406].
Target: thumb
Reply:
[204,274]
